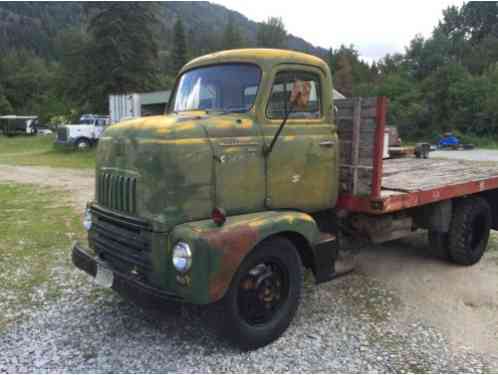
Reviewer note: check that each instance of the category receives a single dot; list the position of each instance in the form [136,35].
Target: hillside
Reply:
[35,26]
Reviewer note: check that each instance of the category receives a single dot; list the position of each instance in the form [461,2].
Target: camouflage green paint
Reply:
[186,164]
[218,251]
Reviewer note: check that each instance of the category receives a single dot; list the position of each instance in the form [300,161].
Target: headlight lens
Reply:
[182,257]
[87,219]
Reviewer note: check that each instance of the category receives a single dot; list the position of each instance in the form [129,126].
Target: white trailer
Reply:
[127,106]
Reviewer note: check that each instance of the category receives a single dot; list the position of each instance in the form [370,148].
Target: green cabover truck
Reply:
[254,174]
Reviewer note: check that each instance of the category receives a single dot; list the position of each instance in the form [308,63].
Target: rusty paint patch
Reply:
[233,245]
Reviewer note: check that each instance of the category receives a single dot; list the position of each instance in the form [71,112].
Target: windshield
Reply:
[225,87]
[86,122]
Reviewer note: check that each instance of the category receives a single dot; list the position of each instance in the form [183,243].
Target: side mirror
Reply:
[300,94]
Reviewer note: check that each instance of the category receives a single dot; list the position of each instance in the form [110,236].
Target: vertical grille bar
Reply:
[117,192]
[133,189]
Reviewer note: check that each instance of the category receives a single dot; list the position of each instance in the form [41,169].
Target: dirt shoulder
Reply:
[462,302]
[80,183]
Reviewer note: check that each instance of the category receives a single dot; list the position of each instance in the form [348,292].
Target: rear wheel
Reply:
[264,295]
[439,242]
[469,231]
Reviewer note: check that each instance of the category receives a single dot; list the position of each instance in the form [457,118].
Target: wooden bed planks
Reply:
[411,174]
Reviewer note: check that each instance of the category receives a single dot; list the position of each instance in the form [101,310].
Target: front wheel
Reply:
[82,144]
[264,294]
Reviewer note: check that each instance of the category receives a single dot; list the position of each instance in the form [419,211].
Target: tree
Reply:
[5,106]
[344,75]
[272,33]
[179,47]
[480,19]
[232,38]
[123,50]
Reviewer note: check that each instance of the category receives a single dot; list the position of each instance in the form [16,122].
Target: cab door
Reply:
[302,167]
[100,125]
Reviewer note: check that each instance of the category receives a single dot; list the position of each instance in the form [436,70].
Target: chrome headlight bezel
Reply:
[87,220]
[181,257]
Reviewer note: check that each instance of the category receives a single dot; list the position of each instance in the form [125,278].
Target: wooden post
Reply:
[381,111]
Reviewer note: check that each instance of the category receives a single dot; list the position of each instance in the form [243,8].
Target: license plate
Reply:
[104,276]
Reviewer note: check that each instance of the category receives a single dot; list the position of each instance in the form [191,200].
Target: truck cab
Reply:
[245,156]
[84,134]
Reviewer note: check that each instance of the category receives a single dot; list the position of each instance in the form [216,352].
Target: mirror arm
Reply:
[267,150]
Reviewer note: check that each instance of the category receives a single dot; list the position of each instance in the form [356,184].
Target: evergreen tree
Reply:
[344,75]
[272,33]
[123,51]
[5,107]
[232,38]
[179,46]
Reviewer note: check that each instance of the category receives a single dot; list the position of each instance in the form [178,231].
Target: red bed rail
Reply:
[379,147]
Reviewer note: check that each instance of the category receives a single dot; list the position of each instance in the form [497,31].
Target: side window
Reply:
[282,87]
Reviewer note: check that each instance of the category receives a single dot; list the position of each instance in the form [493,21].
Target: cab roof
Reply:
[263,57]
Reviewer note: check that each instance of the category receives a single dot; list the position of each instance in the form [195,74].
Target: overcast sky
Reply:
[374,27]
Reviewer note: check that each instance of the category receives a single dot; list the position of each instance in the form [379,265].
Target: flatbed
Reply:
[412,182]
[382,186]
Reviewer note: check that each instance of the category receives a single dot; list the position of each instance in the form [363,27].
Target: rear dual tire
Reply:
[468,237]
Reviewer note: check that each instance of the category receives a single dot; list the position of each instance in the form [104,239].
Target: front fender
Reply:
[218,251]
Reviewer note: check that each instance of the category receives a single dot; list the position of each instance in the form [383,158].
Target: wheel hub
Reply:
[261,292]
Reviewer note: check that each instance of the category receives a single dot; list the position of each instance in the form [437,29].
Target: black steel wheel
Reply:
[262,291]
[264,294]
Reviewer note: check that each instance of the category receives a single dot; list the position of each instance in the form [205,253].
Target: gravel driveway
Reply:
[477,154]
[401,311]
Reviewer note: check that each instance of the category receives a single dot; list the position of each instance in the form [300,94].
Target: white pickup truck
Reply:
[84,134]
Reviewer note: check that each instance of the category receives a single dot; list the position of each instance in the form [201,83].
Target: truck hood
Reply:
[160,168]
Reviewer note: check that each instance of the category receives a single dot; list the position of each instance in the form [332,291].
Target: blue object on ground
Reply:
[449,140]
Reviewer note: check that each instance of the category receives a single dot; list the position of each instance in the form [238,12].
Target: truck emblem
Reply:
[296,178]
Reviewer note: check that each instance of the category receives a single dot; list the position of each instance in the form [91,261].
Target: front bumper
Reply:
[127,286]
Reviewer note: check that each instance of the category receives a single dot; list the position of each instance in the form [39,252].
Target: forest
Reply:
[63,59]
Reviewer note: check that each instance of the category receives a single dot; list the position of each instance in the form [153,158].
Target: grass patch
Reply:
[23,150]
[37,229]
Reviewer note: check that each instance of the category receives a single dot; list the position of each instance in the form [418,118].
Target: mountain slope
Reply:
[35,26]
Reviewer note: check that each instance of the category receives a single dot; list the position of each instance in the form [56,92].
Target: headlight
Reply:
[182,257]
[87,219]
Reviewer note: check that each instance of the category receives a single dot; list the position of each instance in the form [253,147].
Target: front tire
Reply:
[264,295]
[82,144]
[469,232]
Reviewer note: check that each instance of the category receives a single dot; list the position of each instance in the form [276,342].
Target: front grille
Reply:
[62,134]
[117,192]
[123,242]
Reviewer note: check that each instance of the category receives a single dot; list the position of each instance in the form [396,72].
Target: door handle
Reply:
[327,143]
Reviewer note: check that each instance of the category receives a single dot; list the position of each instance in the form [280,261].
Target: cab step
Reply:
[330,261]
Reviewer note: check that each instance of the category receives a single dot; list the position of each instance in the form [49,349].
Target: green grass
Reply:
[22,150]
[37,229]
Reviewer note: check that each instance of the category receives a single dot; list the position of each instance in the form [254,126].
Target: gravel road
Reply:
[477,154]
[403,310]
